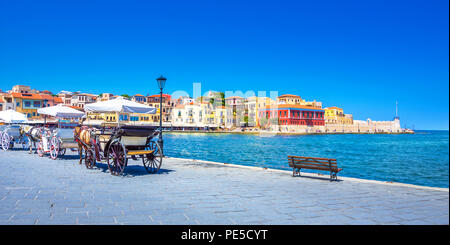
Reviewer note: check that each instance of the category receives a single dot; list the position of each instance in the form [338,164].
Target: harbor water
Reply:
[421,158]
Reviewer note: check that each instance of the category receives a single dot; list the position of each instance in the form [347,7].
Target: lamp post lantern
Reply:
[161,82]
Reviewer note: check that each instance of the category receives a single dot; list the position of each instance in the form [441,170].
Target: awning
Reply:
[119,105]
[12,116]
[60,111]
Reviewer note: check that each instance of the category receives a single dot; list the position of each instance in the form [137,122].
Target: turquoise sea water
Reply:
[421,158]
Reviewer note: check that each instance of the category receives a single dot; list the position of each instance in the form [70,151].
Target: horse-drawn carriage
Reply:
[11,135]
[117,144]
[10,132]
[56,141]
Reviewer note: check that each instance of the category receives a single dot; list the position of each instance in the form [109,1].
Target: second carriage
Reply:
[57,140]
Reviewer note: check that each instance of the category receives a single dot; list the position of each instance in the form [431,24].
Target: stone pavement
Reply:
[42,191]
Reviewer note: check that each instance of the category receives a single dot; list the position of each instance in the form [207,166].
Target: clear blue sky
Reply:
[359,55]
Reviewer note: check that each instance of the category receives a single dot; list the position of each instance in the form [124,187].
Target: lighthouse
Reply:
[397,126]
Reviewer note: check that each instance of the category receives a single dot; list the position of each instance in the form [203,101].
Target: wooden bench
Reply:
[316,163]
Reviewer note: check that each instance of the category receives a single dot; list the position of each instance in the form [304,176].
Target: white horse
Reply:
[33,133]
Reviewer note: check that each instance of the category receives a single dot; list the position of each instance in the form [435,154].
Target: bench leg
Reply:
[296,172]
[333,176]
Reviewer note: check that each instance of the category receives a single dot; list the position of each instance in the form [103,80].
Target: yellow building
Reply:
[115,117]
[27,104]
[220,116]
[252,106]
[335,115]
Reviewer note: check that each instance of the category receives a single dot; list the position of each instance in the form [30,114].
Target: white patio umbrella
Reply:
[12,116]
[119,105]
[60,111]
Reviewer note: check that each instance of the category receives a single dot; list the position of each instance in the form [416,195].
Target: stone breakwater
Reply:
[37,190]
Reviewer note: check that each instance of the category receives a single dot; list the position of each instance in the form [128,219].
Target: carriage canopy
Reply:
[119,105]
[60,111]
[12,116]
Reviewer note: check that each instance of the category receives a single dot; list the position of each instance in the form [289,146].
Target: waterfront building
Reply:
[51,100]
[179,116]
[220,114]
[188,115]
[253,104]
[289,99]
[167,107]
[235,111]
[6,102]
[194,115]
[116,117]
[22,89]
[291,114]
[183,100]
[81,99]
[316,104]
[297,100]
[106,96]
[139,98]
[385,126]
[335,115]
[251,111]
[215,98]
[66,97]
[206,114]
[28,103]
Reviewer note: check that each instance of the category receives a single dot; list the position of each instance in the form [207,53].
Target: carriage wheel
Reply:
[152,162]
[116,158]
[40,149]
[6,141]
[54,147]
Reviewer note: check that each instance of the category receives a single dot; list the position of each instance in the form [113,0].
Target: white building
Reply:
[79,100]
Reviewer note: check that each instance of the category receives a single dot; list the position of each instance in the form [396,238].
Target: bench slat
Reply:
[311,164]
[318,158]
[314,162]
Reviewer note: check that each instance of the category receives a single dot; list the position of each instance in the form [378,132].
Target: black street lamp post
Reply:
[161,82]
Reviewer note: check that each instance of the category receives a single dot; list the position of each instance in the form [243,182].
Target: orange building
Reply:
[28,103]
